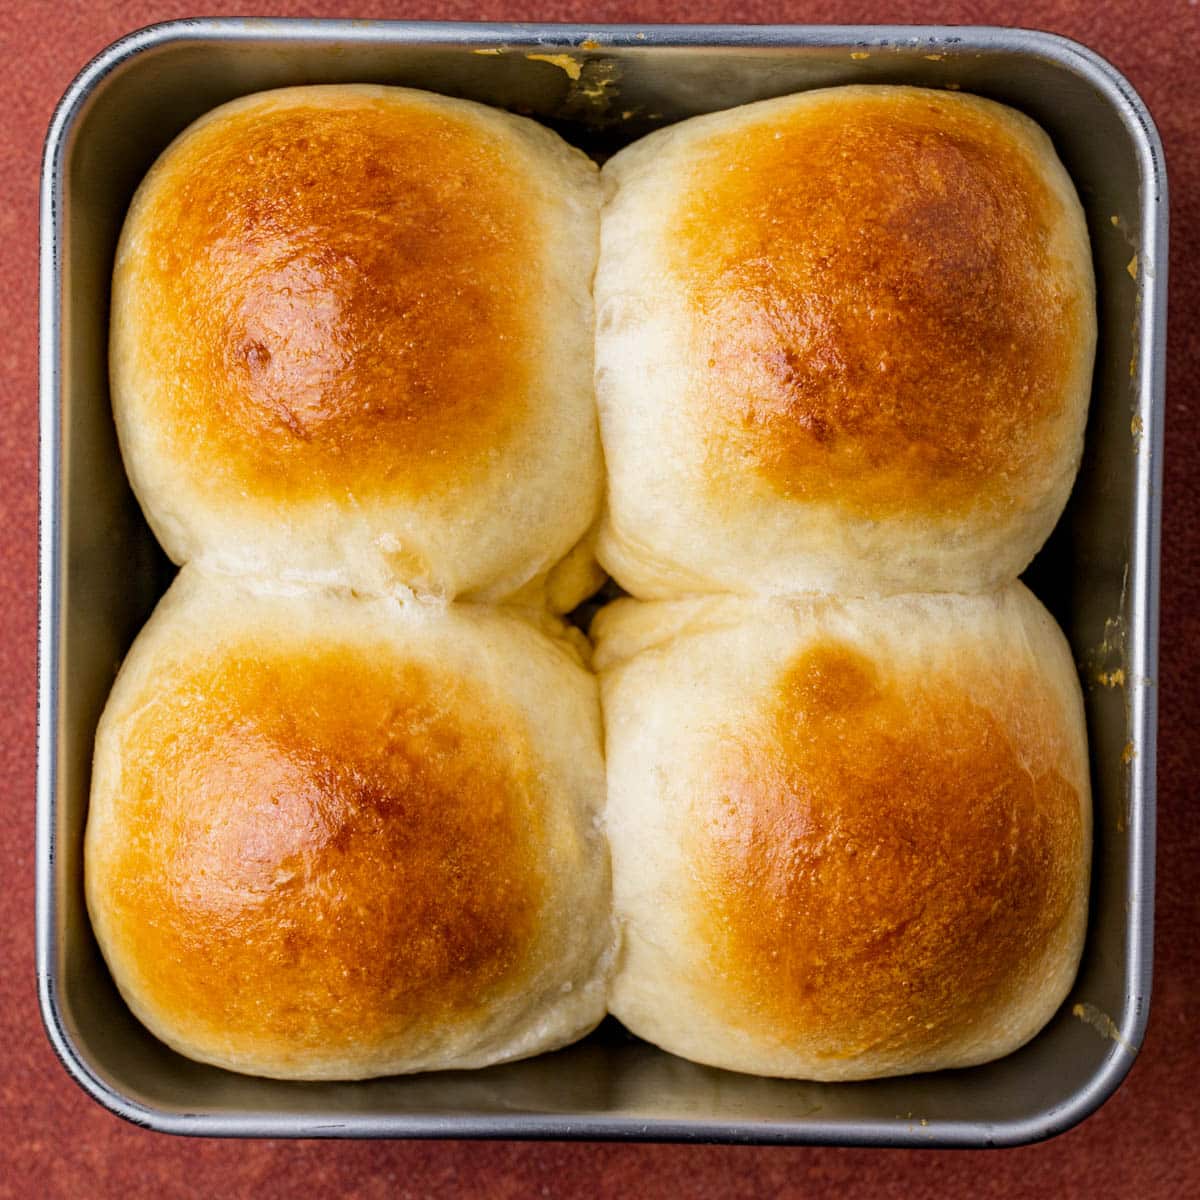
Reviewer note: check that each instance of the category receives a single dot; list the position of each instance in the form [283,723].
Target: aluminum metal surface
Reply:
[101,572]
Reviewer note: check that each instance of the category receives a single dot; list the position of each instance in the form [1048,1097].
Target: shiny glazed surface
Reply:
[888,318]
[321,849]
[342,290]
[887,859]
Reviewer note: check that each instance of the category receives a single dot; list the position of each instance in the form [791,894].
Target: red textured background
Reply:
[1144,1144]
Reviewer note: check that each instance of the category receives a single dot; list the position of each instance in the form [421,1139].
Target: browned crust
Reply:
[886,319]
[318,849]
[336,297]
[885,863]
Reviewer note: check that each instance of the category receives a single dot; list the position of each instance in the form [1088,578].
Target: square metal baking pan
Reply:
[101,571]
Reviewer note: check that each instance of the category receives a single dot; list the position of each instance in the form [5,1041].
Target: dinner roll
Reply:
[850,838]
[352,343]
[845,343]
[332,838]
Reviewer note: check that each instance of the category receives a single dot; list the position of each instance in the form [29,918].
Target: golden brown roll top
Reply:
[862,847]
[343,288]
[332,839]
[969,842]
[348,315]
[861,320]
[883,288]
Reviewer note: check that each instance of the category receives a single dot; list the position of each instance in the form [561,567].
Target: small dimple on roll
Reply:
[334,838]
[846,345]
[351,340]
[850,838]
